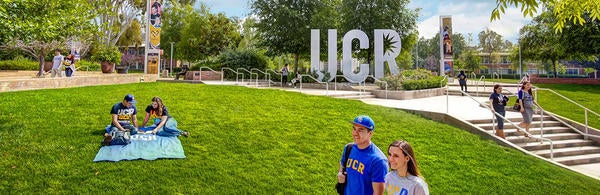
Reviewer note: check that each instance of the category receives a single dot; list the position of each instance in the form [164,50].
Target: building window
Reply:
[574,71]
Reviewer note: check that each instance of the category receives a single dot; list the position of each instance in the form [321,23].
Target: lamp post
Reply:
[171,62]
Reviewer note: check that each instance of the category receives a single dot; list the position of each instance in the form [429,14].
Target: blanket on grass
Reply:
[143,146]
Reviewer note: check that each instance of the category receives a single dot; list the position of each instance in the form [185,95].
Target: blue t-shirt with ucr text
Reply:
[364,166]
[124,114]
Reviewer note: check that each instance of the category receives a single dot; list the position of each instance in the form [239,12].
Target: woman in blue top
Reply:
[526,100]
[405,177]
[164,124]
[498,102]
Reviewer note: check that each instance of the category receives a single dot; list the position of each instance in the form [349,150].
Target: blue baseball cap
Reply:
[129,98]
[365,121]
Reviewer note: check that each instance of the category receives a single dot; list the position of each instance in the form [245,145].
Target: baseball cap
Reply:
[129,98]
[365,121]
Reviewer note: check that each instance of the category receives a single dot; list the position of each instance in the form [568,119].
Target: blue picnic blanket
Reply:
[143,146]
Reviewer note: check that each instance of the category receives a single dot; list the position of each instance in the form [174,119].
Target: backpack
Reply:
[120,138]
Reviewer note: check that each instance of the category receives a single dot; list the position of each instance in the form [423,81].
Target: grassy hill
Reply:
[243,140]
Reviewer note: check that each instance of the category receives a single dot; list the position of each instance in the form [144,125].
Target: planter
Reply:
[122,69]
[107,67]
[47,66]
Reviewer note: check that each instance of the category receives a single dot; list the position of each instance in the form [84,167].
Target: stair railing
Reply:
[386,85]
[585,109]
[280,76]
[447,98]
[236,74]
[266,75]
[335,82]
[541,110]
[482,78]
[206,67]
[474,78]
[251,73]
[313,78]
[512,123]
[496,76]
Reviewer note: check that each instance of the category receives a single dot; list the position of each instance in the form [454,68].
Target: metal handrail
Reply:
[313,78]
[256,82]
[447,98]
[474,78]
[236,74]
[512,123]
[497,76]
[335,82]
[482,78]
[386,85]
[206,67]
[585,109]
[266,75]
[280,76]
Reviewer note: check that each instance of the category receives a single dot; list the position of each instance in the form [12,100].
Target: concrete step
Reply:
[534,144]
[354,93]
[570,151]
[534,124]
[536,131]
[579,159]
[356,96]
[518,119]
[554,137]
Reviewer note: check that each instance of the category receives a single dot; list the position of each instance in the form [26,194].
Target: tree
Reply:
[491,43]
[471,60]
[38,26]
[113,17]
[132,36]
[539,42]
[173,22]
[564,11]
[382,14]
[284,26]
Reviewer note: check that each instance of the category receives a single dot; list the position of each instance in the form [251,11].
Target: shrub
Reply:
[107,54]
[92,66]
[19,64]
[246,58]
[412,80]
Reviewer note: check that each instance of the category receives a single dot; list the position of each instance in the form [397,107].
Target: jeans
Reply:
[130,127]
[68,72]
[169,129]
[500,120]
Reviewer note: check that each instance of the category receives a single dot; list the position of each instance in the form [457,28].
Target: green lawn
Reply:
[251,141]
[586,95]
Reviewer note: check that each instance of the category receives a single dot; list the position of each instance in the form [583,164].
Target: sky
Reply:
[468,16]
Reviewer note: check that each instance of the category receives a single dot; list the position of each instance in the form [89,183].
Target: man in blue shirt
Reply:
[366,165]
[123,115]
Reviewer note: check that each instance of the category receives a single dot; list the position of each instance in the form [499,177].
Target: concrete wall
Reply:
[565,81]
[407,95]
[206,75]
[19,84]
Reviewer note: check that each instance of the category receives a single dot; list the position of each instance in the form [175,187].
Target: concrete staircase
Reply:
[353,95]
[481,91]
[569,146]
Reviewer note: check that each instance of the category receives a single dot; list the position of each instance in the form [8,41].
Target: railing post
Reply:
[586,124]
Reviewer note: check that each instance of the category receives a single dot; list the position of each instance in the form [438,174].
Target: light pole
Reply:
[520,69]
[171,62]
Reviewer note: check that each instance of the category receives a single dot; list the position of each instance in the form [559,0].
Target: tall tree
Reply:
[173,23]
[539,42]
[38,26]
[471,60]
[113,17]
[284,25]
[564,11]
[132,36]
[381,14]
[491,43]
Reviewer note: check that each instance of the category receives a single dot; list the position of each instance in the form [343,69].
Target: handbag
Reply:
[517,106]
[341,187]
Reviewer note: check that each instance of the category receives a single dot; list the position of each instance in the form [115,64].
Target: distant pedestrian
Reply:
[405,177]
[57,64]
[284,75]
[69,64]
[462,81]
[297,79]
[498,104]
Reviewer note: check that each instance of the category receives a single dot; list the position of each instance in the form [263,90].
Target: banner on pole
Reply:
[153,36]
[446,49]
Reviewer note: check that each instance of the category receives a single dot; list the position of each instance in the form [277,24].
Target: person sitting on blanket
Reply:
[123,115]
[164,124]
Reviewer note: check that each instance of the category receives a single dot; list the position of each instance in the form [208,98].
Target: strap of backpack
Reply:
[346,155]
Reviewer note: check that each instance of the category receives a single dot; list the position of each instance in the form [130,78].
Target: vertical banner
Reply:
[446,61]
[153,36]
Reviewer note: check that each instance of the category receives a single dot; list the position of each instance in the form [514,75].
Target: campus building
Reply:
[504,66]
